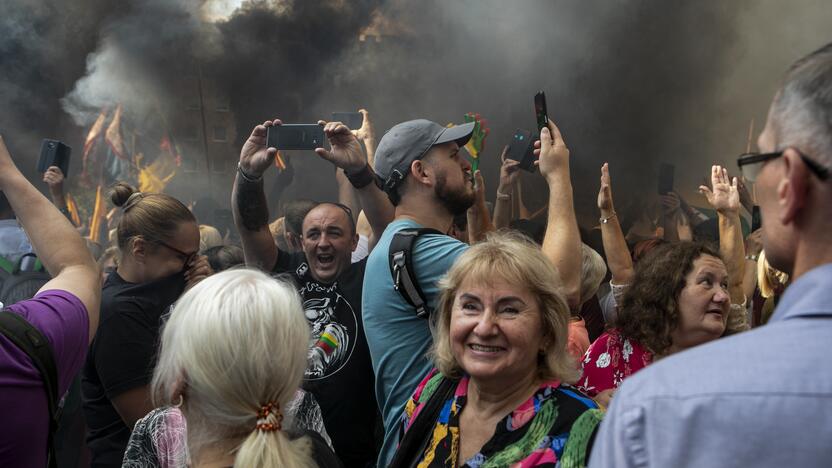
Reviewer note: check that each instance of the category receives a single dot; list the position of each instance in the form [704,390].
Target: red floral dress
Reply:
[609,360]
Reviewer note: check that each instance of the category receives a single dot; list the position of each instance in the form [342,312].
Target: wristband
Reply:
[362,178]
[247,177]
[503,196]
[753,258]
[607,219]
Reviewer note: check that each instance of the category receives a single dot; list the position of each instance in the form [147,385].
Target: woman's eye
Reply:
[510,310]
[469,306]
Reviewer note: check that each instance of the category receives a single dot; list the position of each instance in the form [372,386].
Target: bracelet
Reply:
[247,177]
[608,218]
[503,196]
[362,178]
[753,258]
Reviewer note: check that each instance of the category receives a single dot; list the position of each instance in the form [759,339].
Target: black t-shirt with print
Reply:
[122,357]
[339,373]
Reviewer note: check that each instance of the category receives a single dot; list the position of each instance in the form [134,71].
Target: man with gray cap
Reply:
[421,169]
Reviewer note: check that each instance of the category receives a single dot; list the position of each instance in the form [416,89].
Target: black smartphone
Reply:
[756,218]
[54,153]
[521,149]
[666,173]
[296,137]
[353,120]
[540,112]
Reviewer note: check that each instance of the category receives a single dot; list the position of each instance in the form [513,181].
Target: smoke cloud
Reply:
[632,83]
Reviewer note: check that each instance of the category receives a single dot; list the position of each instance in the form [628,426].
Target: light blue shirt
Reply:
[762,398]
[397,338]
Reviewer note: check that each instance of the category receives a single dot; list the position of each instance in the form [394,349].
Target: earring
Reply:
[179,403]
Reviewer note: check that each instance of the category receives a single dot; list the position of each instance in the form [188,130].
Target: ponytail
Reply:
[274,450]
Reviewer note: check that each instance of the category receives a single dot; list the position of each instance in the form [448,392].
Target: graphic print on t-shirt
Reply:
[332,321]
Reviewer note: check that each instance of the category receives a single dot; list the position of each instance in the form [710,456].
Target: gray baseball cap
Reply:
[409,141]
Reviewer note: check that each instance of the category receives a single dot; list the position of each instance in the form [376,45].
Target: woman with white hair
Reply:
[232,357]
[500,395]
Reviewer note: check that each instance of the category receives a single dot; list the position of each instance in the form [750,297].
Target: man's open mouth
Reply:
[326,259]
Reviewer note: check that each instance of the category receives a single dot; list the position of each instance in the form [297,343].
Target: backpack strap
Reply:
[29,339]
[400,260]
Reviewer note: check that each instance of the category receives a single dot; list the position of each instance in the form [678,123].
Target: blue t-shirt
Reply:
[398,339]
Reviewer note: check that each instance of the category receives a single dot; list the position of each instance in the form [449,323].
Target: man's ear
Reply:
[792,190]
[420,171]
[355,239]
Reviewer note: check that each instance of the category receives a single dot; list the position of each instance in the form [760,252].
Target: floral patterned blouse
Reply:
[552,428]
[609,360]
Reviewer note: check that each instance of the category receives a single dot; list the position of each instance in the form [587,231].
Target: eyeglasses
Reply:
[750,164]
[188,256]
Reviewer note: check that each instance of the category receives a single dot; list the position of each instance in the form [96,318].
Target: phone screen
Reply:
[540,112]
[666,173]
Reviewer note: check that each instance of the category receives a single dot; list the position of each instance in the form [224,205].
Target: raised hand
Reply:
[551,150]
[345,150]
[605,192]
[670,202]
[724,197]
[509,171]
[367,131]
[54,178]
[255,156]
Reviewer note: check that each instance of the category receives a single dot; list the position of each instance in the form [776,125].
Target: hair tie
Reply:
[263,414]
[132,200]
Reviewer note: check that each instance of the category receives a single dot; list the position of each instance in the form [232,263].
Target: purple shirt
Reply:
[63,319]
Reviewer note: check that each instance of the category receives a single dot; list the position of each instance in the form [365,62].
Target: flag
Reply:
[155,176]
[113,135]
[476,144]
[97,216]
[94,132]
[72,207]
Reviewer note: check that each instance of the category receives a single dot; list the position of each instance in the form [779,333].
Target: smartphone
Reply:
[296,137]
[540,112]
[666,173]
[54,153]
[756,219]
[353,120]
[521,149]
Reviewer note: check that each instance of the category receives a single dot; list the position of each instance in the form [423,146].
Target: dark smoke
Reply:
[631,83]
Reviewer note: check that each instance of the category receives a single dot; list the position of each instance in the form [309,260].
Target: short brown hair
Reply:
[650,308]
[517,260]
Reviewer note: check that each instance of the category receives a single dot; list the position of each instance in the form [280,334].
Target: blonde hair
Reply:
[593,270]
[209,237]
[234,343]
[768,277]
[518,261]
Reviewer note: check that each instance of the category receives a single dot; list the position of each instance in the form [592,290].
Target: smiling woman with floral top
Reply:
[501,384]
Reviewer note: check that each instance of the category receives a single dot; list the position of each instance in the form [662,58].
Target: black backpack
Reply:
[29,339]
[400,260]
[21,280]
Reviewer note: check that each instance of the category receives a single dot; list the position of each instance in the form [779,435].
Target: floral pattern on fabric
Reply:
[609,360]
[535,434]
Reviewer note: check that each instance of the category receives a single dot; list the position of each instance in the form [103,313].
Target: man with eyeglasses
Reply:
[761,398]
[339,372]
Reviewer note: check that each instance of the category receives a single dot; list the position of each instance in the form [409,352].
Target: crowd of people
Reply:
[411,322]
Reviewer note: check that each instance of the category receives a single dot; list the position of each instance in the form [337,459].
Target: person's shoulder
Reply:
[288,262]
[567,393]
[54,310]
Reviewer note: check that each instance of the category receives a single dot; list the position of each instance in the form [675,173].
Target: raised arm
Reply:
[367,134]
[753,247]
[54,178]
[56,242]
[615,247]
[562,242]
[509,172]
[725,199]
[346,154]
[479,219]
[248,199]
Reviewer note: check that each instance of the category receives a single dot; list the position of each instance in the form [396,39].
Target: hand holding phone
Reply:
[54,153]
[521,149]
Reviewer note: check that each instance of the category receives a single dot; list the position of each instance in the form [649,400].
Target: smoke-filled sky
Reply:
[629,82]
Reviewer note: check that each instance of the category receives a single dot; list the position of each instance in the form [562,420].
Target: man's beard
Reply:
[455,202]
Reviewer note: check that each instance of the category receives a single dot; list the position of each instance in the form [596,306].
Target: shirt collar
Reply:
[810,295]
